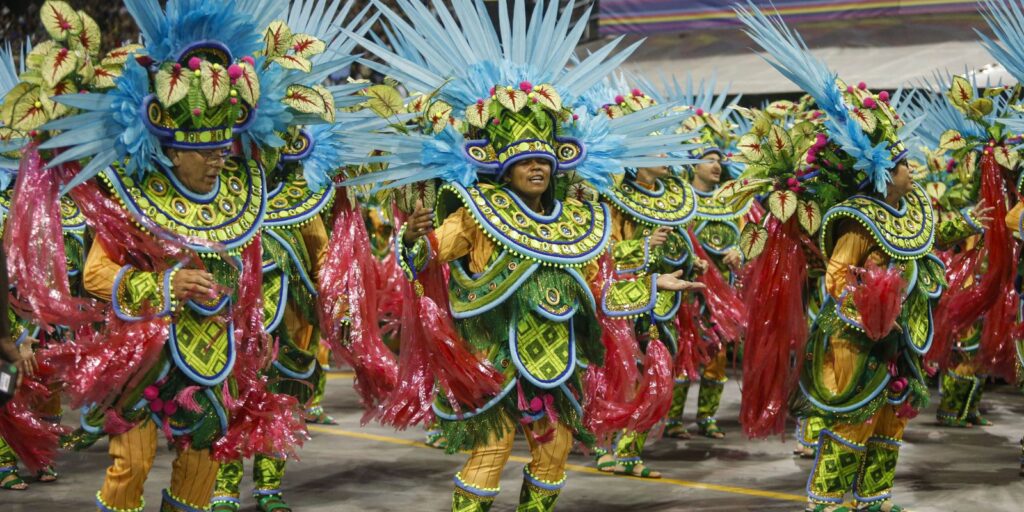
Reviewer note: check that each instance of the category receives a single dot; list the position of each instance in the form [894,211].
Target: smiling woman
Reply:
[529,179]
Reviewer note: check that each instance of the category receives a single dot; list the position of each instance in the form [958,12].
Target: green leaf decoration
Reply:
[1006,157]
[214,82]
[89,39]
[58,63]
[808,213]
[779,142]
[511,98]
[306,46]
[119,56]
[277,39]
[60,20]
[980,107]
[439,115]
[961,92]
[478,114]
[547,97]
[293,62]
[384,100]
[329,108]
[171,85]
[751,148]
[304,99]
[105,76]
[952,140]
[26,110]
[248,85]
[782,204]
[752,240]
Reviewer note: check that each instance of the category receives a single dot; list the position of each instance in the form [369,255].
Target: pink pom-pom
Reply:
[535,100]
[234,101]
[869,103]
[151,393]
[821,140]
[700,112]
[637,92]
[849,88]
[950,165]
[619,99]
[898,386]
[536,404]
[495,121]
[839,166]
[234,71]
[525,86]
[862,86]
[793,182]
[575,117]
[156,405]
[194,63]
[745,182]
[811,158]
[177,67]
[170,407]
[728,155]
[480,102]
[492,91]
[884,96]
[249,60]
[196,111]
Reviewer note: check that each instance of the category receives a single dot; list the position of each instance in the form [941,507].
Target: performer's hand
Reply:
[982,213]
[674,283]
[419,224]
[8,350]
[659,237]
[733,260]
[700,265]
[190,283]
[27,365]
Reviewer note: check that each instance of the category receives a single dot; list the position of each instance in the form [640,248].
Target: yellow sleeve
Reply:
[314,235]
[455,236]
[100,272]
[851,250]
[1013,218]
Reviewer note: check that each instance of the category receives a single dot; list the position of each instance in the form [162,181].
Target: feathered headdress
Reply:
[862,130]
[11,140]
[501,92]
[194,88]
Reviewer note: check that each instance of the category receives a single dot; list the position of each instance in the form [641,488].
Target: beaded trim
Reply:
[473,491]
[180,504]
[544,485]
[709,209]
[293,203]
[907,233]
[673,204]
[104,507]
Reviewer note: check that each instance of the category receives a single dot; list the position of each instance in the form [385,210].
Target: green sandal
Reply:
[608,466]
[678,431]
[978,420]
[225,505]
[878,507]
[708,427]
[10,480]
[950,421]
[629,469]
[821,507]
[436,439]
[272,502]
[318,416]
[47,475]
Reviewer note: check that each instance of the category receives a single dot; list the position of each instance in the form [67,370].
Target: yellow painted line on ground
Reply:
[340,375]
[575,467]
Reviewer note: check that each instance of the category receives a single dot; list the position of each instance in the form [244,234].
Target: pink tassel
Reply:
[727,308]
[114,423]
[33,440]
[186,399]
[879,298]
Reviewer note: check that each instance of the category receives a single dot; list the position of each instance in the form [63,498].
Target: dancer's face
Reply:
[197,169]
[711,171]
[530,178]
[902,181]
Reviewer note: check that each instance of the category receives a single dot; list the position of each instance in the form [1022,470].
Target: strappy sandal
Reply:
[628,468]
[319,416]
[709,428]
[881,507]
[436,439]
[272,503]
[678,431]
[10,480]
[821,507]
[47,475]
[225,505]
[978,420]
[605,461]
[949,421]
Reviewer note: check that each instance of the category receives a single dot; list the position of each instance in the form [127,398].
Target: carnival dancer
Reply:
[177,250]
[514,251]
[862,364]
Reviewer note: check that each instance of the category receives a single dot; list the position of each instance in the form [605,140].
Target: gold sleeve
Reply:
[852,249]
[314,234]
[100,272]
[1013,218]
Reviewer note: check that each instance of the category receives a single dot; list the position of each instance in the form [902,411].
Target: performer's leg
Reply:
[226,492]
[675,427]
[712,383]
[9,477]
[132,453]
[544,476]
[267,473]
[478,483]
[193,476]
[873,487]
[629,456]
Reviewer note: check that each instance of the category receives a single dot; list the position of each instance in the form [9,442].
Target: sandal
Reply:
[821,507]
[10,480]
[605,461]
[950,421]
[318,416]
[47,475]
[978,420]
[225,505]
[883,506]
[708,427]
[678,431]
[436,439]
[272,502]
[628,468]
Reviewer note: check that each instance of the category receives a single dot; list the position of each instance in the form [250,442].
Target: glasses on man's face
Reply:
[214,155]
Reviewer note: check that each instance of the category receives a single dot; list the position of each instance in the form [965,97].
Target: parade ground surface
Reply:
[352,468]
